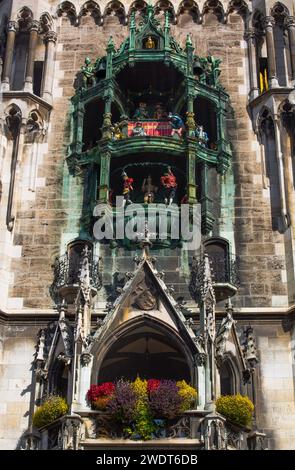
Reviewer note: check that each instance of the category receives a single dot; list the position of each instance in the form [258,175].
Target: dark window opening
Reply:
[226,380]
[59,381]
[206,116]
[93,121]
[147,172]
[37,77]
[263,74]
[218,252]
[19,61]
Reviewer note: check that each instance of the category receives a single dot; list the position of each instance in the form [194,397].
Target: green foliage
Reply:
[53,408]
[236,408]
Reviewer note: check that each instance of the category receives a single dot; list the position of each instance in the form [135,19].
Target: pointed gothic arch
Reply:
[230,376]
[24,18]
[143,339]
[189,7]
[91,8]
[163,6]
[67,10]
[46,23]
[139,7]
[239,7]
[213,8]
[279,12]
[115,9]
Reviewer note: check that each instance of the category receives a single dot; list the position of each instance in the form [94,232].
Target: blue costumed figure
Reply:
[177,124]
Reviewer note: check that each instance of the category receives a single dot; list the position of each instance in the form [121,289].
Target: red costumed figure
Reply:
[127,188]
[169,182]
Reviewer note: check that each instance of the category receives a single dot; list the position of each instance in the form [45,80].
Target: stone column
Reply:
[252,48]
[270,46]
[11,32]
[287,168]
[31,56]
[50,41]
[290,24]
[284,214]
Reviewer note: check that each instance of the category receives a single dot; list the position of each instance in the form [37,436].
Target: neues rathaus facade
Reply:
[159,105]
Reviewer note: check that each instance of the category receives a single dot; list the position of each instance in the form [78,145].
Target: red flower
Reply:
[153,384]
[96,391]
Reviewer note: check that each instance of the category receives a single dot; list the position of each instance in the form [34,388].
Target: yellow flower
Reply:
[236,408]
[187,393]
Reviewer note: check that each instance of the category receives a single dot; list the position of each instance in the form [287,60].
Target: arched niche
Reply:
[268,142]
[59,376]
[140,167]
[218,251]
[93,119]
[145,348]
[229,378]
[206,116]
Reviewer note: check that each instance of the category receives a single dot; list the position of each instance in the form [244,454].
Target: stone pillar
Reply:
[31,56]
[11,32]
[270,46]
[252,48]
[288,171]
[48,74]
[290,23]
[284,215]
[86,361]
[104,181]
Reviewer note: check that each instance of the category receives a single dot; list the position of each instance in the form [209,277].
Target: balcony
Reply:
[194,430]
[224,275]
[67,274]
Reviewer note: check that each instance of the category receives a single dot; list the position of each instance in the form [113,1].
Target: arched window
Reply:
[261,54]
[228,385]
[59,377]
[219,255]
[268,142]
[75,251]
[280,13]
[205,112]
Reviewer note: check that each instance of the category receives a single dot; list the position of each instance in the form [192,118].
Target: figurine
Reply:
[169,182]
[141,112]
[116,132]
[215,71]
[88,73]
[150,43]
[127,188]
[160,112]
[177,124]
[138,130]
[202,136]
[149,190]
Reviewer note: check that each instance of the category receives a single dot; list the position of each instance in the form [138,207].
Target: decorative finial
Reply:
[132,20]
[167,19]
[189,40]
[111,44]
[150,11]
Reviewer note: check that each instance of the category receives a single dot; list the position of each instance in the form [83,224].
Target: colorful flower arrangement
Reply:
[142,407]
